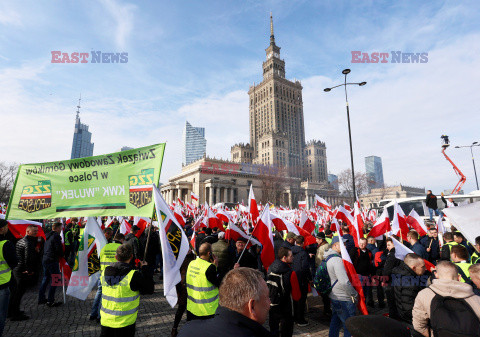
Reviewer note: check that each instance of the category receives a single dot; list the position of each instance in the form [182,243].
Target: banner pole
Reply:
[148,240]
[63,286]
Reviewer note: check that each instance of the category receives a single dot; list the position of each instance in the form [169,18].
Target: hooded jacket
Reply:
[446,288]
[301,265]
[281,268]
[343,289]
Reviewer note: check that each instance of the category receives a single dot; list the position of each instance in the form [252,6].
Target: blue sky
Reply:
[195,60]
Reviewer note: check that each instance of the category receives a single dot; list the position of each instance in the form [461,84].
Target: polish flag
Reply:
[320,202]
[344,215]
[381,226]
[306,223]
[224,216]
[309,238]
[302,204]
[213,221]
[141,222]
[347,207]
[401,250]
[282,224]
[18,228]
[399,224]
[177,212]
[416,222]
[358,222]
[194,196]
[252,206]
[68,220]
[263,232]
[353,276]
[108,222]
[234,233]
[125,227]
[192,241]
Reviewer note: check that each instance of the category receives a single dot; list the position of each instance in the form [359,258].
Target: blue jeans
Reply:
[50,269]
[431,210]
[96,302]
[341,310]
[4,299]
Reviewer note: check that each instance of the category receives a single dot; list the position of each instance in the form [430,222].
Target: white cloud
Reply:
[123,16]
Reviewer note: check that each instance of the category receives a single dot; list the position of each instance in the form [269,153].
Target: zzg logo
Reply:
[141,188]
[36,197]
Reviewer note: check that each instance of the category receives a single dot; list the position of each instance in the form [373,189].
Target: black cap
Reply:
[320,235]
[135,228]
[242,239]
[3,223]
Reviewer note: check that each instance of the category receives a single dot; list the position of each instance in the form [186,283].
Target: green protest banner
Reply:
[112,184]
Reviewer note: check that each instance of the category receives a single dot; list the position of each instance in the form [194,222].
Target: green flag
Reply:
[112,184]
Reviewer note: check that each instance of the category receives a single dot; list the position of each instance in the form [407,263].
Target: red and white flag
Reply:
[224,216]
[416,222]
[302,204]
[252,206]
[213,221]
[142,223]
[177,213]
[358,221]
[306,223]
[381,226]
[19,227]
[399,223]
[263,232]
[353,276]
[282,224]
[194,196]
[125,226]
[320,202]
[234,233]
[401,250]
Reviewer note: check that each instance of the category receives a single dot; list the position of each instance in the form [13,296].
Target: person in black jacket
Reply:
[389,262]
[407,281]
[153,248]
[52,253]
[9,262]
[26,271]
[431,244]
[362,260]
[247,259]
[132,239]
[301,267]
[431,202]
[243,307]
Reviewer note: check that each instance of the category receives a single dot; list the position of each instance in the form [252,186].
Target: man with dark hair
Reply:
[121,289]
[362,260]
[416,246]
[26,271]
[52,253]
[301,267]
[459,256]
[244,305]
[132,239]
[281,311]
[447,246]
[460,239]
[221,251]
[247,259]
[431,245]
[108,232]
[389,262]
[8,261]
[407,281]
[202,284]
[349,241]
[431,202]
[290,240]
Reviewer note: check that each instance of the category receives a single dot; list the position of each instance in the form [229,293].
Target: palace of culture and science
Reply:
[277,147]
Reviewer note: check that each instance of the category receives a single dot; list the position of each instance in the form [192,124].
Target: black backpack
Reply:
[453,317]
[275,288]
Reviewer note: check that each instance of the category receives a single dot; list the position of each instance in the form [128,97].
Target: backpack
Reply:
[321,281]
[452,317]
[275,288]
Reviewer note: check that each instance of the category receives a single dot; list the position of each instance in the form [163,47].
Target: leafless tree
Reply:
[274,180]
[7,177]
[345,182]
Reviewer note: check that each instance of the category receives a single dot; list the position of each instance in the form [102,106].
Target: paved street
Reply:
[155,317]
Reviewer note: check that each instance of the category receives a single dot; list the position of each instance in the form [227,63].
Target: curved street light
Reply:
[361,84]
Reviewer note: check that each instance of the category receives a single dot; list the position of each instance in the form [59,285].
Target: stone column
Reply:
[212,189]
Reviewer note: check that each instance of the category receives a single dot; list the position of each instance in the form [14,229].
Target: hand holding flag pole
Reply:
[250,236]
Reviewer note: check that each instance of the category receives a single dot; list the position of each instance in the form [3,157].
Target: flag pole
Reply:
[63,286]
[148,240]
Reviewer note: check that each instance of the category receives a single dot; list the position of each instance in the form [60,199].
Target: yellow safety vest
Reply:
[119,303]
[329,240]
[81,230]
[450,245]
[475,258]
[5,271]
[464,267]
[107,255]
[202,295]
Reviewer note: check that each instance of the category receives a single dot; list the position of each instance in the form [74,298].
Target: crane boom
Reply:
[459,173]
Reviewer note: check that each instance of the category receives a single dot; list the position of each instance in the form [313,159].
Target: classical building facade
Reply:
[280,165]
[372,199]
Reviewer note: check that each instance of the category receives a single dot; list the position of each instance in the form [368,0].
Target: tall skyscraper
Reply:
[82,139]
[374,170]
[194,143]
[277,131]
[333,180]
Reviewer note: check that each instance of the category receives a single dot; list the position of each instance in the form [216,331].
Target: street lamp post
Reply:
[346,72]
[473,160]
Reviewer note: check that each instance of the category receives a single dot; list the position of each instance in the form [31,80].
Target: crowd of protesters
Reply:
[225,286]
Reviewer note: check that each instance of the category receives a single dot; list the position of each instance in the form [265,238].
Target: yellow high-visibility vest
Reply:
[202,295]
[107,255]
[5,271]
